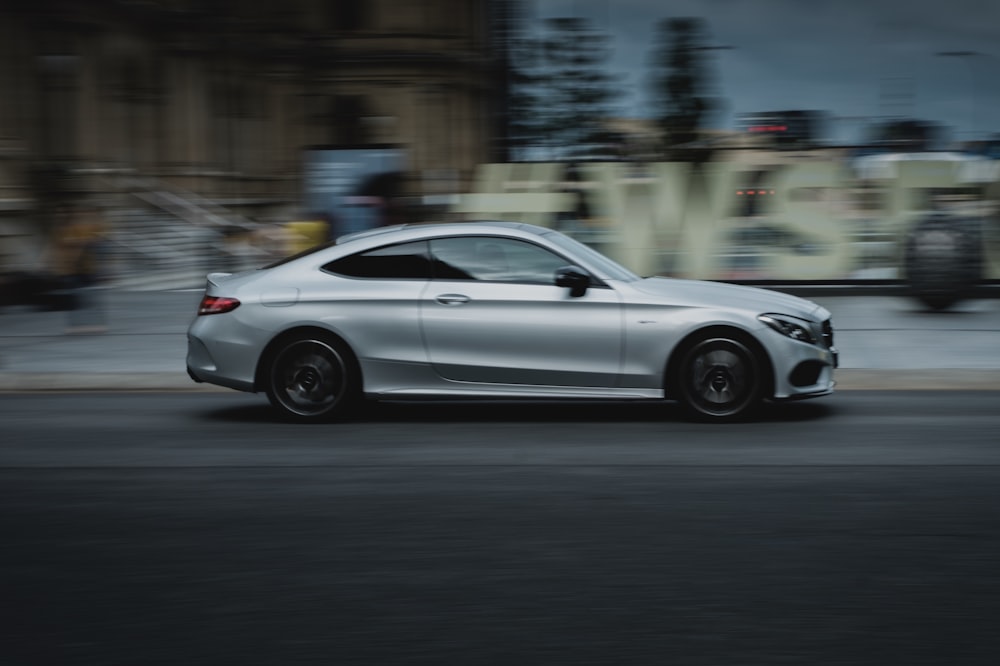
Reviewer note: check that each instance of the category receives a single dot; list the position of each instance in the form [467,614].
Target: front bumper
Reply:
[803,370]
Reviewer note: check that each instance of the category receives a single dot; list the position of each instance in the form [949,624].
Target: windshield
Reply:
[605,266]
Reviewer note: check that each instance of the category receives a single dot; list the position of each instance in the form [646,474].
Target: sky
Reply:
[856,60]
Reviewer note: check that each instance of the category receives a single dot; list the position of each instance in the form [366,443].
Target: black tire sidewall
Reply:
[341,408]
[691,402]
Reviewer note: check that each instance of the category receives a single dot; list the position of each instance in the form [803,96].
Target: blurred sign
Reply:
[810,220]
[351,188]
[795,128]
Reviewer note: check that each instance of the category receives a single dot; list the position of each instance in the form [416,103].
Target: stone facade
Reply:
[220,98]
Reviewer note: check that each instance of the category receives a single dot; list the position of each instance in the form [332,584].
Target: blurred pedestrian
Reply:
[77,258]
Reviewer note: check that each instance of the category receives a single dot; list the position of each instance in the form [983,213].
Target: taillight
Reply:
[217,305]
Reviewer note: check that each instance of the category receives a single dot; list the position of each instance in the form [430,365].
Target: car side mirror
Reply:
[573,278]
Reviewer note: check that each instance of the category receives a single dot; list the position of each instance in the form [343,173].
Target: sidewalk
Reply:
[144,347]
[886,342]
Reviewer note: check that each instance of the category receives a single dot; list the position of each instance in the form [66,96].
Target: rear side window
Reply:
[406,261]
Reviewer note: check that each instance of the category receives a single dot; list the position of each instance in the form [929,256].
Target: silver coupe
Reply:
[499,310]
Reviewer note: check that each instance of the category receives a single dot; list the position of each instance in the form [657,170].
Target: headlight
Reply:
[792,327]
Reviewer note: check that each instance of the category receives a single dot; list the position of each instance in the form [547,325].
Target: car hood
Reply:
[699,293]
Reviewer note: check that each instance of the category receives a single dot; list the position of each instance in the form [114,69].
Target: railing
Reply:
[174,237]
[186,205]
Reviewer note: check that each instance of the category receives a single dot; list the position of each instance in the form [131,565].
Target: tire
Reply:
[942,262]
[719,378]
[311,379]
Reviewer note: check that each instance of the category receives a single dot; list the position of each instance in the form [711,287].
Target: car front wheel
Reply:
[310,379]
[719,379]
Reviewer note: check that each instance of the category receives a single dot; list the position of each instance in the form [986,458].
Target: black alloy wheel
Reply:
[720,379]
[310,379]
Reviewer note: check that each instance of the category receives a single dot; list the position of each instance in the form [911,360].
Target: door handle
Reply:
[452,299]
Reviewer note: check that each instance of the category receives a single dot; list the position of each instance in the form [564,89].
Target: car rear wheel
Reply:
[719,379]
[311,379]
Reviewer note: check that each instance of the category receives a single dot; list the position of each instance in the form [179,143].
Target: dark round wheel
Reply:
[942,262]
[310,379]
[719,379]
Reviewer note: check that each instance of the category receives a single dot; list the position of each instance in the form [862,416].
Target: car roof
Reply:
[444,229]
[405,233]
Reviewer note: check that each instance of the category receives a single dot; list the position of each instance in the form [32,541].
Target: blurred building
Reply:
[785,129]
[907,135]
[204,108]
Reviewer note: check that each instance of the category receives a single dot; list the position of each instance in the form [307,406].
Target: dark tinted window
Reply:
[494,259]
[393,262]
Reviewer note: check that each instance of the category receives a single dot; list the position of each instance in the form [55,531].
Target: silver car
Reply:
[499,310]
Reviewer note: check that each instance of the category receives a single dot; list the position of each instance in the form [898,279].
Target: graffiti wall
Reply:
[815,219]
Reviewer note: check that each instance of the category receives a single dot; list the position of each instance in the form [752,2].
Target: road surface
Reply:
[178,528]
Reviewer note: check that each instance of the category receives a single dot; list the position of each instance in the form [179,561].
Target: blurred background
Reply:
[742,140]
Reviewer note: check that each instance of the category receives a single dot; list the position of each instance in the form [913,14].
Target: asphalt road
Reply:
[196,529]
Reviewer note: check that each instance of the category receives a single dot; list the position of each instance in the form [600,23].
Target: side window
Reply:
[493,260]
[407,261]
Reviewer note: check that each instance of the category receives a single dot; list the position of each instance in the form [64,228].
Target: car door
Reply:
[376,305]
[493,314]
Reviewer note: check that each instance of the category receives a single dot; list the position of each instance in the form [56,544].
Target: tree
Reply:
[568,89]
[578,91]
[525,128]
[680,79]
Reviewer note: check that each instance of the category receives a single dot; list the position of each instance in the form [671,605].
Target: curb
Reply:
[848,379]
[910,379]
[103,381]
